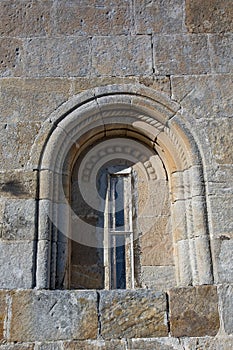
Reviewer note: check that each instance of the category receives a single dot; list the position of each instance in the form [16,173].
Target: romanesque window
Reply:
[118,229]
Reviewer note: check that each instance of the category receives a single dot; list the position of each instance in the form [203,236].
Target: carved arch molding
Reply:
[128,111]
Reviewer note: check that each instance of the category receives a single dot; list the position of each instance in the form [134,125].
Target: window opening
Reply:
[118,230]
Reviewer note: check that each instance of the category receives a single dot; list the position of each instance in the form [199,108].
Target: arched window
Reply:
[122,196]
[121,234]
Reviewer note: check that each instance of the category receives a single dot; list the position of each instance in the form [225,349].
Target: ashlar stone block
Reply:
[11,57]
[128,55]
[3,313]
[221,53]
[53,315]
[181,54]
[209,16]
[226,307]
[155,344]
[204,96]
[18,347]
[95,345]
[31,99]
[220,140]
[16,264]
[15,144]
[17,219]
[61,57]
[158,16]
[25,18]
[18,184]
[194,311]
[132,314]
[91,18]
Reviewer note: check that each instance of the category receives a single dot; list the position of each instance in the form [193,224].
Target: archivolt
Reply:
[130,111]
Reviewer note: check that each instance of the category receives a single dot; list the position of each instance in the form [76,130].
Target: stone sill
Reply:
[46,315]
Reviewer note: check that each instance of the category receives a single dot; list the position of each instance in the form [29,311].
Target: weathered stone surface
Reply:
[223,251]
[158,16]
[160,83]
[128,55]
[221,53]
[159,278]
[132,314]
[204,96]
[95,345]
[91,18]
[156,244]
[61,57]
[226,306]
[209,16]
[17,219]
[55,345]
[207,343]
[18,347]
[220,180]
[11,57]
[15,143]
[25,18]
[18,184]
[31,99]
[194,311]
[3,313]
[16,264]
[53,315]
[221,208]
[220,140]
[181,54]
[154,344]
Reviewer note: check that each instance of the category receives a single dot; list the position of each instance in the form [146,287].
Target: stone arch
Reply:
[136,112]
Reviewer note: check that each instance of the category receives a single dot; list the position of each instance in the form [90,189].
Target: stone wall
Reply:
[51,51]
[139,319]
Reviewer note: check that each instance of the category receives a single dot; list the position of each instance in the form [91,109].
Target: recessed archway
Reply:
[132,112]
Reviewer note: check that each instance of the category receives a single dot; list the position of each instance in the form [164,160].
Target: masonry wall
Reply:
[53,50]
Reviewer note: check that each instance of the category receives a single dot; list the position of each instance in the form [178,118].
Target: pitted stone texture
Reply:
[221,53]
[18,184]
[121,55]
[156,243]
[226,306]
[194,311]
[154,344]
[221,140]
[207,343]
[158,16]
[159,278]
[25,18]
[31,99]
[92,18]
[222,248]
[53,315]
[159,83]
[220,179]
[19,347]
[221,208]
[181,54]
[132,314]
[61,57]
[204,96]
[95,345]
[209,16]
[16,264]
[3,313]
[11,57]
[15,143]
[49,346]
[17,219]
